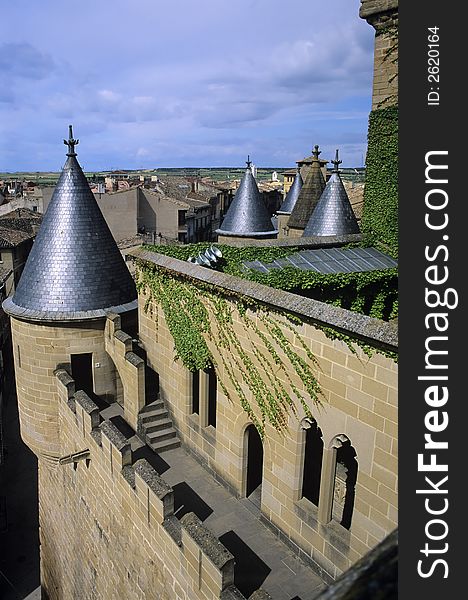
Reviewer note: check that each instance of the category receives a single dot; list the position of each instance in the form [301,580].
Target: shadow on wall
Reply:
[187,500]
[250,571]
[19,519]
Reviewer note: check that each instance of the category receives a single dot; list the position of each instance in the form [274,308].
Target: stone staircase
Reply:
[155,427]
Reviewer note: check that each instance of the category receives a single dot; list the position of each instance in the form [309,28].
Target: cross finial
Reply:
[71,143]
[316,152]
[248,161]
[336,162]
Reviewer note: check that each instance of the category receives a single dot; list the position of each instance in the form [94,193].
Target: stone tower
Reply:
[309,195]
[383,16]
[73,277]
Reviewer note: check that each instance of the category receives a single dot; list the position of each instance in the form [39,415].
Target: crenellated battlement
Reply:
[184,546]
[129,366]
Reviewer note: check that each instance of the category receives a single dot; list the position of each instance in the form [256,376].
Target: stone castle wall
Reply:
[107,524]
[360,403]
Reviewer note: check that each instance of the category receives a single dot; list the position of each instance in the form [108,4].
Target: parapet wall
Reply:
[129,366]
[108,528]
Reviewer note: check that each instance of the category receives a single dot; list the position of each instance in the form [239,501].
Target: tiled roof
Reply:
[292,195]
[75,270]
[22,213]
[27,225]
[247,215]
[10,238]
[333,214]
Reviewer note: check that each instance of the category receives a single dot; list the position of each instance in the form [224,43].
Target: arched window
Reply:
[346,468]
[254,448]
[313,454]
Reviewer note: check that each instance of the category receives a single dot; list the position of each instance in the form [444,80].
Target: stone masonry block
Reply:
[211,549]
[66,381]
[116,444]
[260,595]
[155,493]
[86,411]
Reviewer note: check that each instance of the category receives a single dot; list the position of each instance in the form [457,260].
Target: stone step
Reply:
[160,424]
[159,436]
[155,415]
[156,427]
[155,405]
[165,445]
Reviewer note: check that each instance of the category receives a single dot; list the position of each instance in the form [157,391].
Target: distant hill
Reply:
[215,173]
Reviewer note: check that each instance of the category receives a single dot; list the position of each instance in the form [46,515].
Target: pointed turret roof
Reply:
[333,214]
[248,215]
[75,270]
[309,195]
[292,195]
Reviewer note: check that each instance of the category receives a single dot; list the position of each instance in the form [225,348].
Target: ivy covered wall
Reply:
[372,293]
[265,360]
[380,214]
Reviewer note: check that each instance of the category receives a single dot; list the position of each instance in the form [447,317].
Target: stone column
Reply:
[383,16]
[327,485]
[187,391]
[283,230]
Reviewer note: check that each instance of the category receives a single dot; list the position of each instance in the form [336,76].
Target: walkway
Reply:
[262,560]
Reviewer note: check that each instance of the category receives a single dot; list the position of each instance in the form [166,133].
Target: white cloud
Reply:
[197,78]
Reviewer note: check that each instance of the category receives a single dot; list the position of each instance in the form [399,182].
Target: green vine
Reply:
[380,215]
[199,318]
[372,293]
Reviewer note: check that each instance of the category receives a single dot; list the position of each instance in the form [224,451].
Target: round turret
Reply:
[74,276]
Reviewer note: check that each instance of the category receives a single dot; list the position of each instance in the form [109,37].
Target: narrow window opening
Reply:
[313,456]
[196,392]
[254,448]
[212,396]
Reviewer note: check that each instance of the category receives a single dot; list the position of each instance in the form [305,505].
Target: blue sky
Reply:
[152,83]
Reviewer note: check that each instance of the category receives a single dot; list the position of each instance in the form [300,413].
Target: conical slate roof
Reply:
[75,270]
[292,195]
[248,215]
[309,195]
[333,214]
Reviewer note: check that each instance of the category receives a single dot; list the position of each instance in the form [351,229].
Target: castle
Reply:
[197,433]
